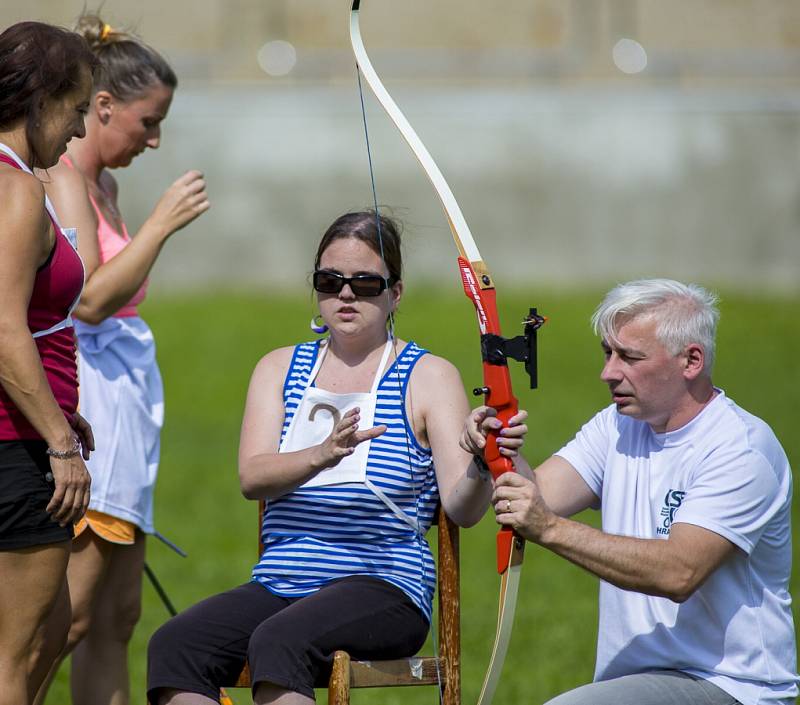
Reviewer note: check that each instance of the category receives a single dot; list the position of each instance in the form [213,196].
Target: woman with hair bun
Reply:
[121,386]
[45,86]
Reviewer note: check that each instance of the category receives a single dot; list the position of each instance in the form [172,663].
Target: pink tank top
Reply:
[111,243]
[57,284]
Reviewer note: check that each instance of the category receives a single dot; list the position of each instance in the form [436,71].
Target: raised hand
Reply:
[343,440]
[181,203]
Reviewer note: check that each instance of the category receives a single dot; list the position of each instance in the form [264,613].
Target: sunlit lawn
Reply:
[208,346]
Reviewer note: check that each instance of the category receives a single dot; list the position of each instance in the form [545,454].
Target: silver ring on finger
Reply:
[508,505]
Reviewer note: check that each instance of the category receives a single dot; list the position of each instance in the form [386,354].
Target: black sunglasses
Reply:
[361,285]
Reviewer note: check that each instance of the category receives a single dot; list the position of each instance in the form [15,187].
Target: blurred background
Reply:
[587,142]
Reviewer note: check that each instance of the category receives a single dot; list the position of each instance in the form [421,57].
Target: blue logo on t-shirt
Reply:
[672,500]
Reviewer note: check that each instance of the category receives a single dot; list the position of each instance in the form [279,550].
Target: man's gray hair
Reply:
[684,313]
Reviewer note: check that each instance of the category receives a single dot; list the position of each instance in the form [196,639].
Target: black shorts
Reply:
[288,642]
[25,492]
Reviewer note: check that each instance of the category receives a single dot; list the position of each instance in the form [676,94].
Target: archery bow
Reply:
[495,350]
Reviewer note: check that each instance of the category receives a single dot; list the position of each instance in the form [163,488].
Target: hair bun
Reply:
[97,32]
[127,67]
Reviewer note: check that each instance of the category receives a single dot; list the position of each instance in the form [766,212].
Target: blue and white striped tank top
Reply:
[314,535]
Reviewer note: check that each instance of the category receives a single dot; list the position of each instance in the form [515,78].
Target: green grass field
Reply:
[207,348]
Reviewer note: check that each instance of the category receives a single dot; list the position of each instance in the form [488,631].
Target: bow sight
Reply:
[495,349]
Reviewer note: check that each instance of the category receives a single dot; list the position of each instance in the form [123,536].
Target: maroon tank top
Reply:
[58,283]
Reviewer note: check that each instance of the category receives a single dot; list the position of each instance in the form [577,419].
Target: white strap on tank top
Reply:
[71,235]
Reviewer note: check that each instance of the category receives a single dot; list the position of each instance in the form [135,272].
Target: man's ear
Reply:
[104,106]
[694,360]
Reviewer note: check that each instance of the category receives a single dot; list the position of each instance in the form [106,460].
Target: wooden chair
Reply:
[417,670]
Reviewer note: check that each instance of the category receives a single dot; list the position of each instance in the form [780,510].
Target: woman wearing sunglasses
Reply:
[352,440]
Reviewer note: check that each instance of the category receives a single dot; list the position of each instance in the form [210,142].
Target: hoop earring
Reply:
[317,325]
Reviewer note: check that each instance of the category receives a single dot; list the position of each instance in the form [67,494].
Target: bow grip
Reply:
[499,464]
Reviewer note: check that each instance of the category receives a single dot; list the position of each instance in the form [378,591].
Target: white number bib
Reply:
[319,411]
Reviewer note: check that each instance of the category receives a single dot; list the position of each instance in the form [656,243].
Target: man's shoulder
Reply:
[733,440]
[737,427]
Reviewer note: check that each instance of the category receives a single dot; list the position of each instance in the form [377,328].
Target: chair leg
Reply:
[339,684]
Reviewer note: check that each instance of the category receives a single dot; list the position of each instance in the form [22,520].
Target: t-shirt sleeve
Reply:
[588,451]
[734,493]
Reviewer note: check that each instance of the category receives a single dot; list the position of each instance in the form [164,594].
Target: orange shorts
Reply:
[107,527]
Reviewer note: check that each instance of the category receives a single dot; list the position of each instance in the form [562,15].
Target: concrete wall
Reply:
[555,41]
[556,187]
[568,170]
[535,40]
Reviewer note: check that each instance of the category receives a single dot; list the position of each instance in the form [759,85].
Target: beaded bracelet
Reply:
[66,454]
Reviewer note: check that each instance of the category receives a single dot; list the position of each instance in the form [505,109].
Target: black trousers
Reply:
[288,642]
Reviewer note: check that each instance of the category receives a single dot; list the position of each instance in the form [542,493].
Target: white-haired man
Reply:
[694,554]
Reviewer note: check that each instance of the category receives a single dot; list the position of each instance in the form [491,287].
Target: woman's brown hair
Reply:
[364,226]
[38,61]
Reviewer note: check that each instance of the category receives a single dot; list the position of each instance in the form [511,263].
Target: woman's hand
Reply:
[343,440]
[181,203]
[483,420]
[71,496]
[84,431]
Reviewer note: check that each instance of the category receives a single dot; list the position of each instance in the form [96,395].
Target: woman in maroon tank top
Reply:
[45,84]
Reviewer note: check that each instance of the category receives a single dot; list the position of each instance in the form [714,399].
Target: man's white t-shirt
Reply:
[726,472]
